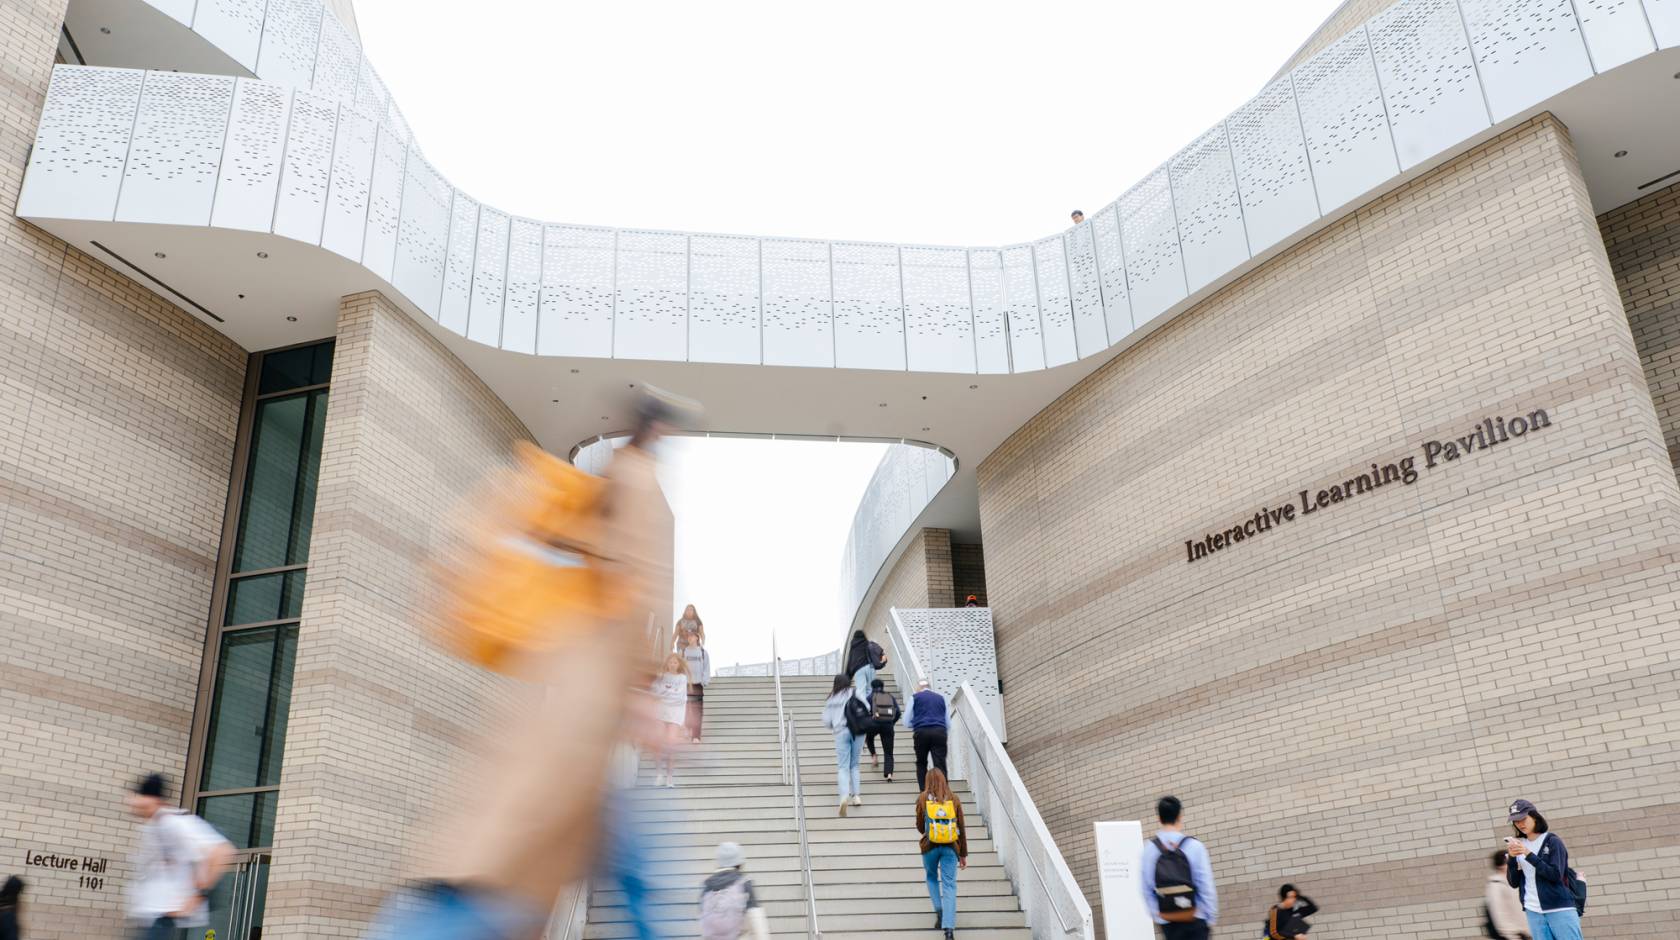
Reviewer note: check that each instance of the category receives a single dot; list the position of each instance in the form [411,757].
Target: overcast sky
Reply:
[935,122]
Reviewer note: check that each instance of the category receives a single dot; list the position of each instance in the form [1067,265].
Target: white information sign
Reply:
[1118,846]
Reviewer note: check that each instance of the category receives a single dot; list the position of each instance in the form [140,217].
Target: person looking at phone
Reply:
[1537,866]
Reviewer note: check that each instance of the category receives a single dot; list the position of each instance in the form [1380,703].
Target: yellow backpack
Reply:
[942,822]
[531,568]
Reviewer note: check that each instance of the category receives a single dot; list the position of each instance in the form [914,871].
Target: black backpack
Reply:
[858,718]
[885,706]
[1175,888]
[877,656]
[1577,890]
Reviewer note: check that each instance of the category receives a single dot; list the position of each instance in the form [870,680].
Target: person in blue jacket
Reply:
[1536,865]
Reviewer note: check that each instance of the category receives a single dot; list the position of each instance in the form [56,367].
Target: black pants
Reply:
[161,929]
[885,730]
[1190,930]
[929,741]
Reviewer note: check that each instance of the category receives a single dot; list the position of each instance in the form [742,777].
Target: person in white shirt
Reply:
[178,860]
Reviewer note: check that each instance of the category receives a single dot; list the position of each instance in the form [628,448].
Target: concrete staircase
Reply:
[867,867]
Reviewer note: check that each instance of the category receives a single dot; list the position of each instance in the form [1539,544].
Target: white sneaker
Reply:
[842,806]
[857,800]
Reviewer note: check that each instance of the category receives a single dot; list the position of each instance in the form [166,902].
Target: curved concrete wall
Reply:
[1398,665]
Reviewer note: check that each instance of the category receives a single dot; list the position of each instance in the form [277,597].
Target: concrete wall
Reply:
[1643,239]
[378,714]
[118,415]
[1350,700]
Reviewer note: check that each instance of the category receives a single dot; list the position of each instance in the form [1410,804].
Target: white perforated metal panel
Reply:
[1111,266]
[1210,224]
[1273,175]
[938,324]
[798,304]
[308,164]
[1664,16]
[651,319]
[1615,30]
[233,26]
[1020,304]
[1342,116]
[1149,232]
[524,286]
[1055,305]
[723,313]
[577,292]
[338,60]
[291,32]
[456,301]
[868,312]
[250,172]
[371,94]
[75,170]
[181,10]
[347,191]
[1428,77]
[379,247]
[1085,280]
[423,235]
[991,331]
[489,283]
[1526,51]
[957,645]
[170,177]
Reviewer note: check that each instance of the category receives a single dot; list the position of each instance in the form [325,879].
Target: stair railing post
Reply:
[781,713]
[813,929]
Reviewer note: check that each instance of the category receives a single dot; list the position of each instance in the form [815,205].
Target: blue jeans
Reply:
[443,912]
[848,751]
[1555,925]
[940,865]
[625,864]
[161,929]
[864,681]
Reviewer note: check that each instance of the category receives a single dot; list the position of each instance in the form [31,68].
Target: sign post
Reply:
[1119,844]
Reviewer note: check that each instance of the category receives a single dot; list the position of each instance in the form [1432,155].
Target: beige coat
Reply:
[531,823]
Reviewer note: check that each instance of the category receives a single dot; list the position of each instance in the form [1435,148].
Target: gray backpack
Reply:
[723,913]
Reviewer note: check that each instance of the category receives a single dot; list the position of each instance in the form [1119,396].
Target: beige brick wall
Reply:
[378,714]
[1350,701]
[118,414]
[920,578]
[1643,240]
[968,573]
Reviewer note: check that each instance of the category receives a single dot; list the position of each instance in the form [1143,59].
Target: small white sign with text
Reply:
[1119,844]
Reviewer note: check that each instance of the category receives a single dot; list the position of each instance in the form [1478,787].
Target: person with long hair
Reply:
[1537,865]
[863,658]
[11,909]
[699,674]
[670,688]
[689,628]
[848,747]
[939,818]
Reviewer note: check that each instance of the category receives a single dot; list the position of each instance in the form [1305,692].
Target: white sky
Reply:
[933,121]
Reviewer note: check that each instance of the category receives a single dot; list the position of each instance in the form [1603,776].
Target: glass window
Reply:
[248,720]
[295,368]
[278,511]
[245,819]
[265,597]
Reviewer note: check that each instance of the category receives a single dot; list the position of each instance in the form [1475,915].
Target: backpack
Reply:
[531,570]
[858,718]
[877,656]
[1577,890]
[885,706]
[1175,889]
[723,913]
[942,822]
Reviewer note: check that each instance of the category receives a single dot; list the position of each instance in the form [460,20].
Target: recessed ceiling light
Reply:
[927,429]
[241,296]
[974,386]
[159,255]
[574,372]
[555,401]
[1619,154]
[262,254]
[107,31]
[603,417]
[291,319]
[882,405]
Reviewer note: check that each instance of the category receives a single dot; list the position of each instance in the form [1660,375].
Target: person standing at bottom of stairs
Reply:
[939,818]
[928,724]
[848,747]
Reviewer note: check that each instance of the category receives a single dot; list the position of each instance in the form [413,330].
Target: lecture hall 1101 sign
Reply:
[1485,435]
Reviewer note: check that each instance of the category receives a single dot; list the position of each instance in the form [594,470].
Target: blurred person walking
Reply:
[11,909]
[670,688]
[177,862]
[689,627]
[1177,882]
[863,658]
[1287,920]
[1505,917]
[534,822]
[939,818]
[1537,866]
[883,715]
[729,908]
[844,715]
[699,663]
[928,727]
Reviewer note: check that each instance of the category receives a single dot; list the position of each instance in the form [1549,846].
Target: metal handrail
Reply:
[814,929]
[902,648]
[565,923]
[781,713]
[965,709]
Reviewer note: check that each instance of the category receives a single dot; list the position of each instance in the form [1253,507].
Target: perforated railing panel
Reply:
[1342,116]
[1273,173]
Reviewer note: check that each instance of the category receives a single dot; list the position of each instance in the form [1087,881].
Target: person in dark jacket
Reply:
[1287,920]
[883,715]
[940,860]
[11,909]
[1536,865]
[863,658]
[928,726]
